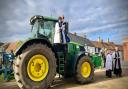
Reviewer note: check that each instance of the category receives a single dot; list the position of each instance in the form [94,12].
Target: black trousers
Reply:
[109,73]
[118,72]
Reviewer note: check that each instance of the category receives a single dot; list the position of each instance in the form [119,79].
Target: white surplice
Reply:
[108,62]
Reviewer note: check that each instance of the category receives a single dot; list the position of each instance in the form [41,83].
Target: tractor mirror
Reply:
[66,27]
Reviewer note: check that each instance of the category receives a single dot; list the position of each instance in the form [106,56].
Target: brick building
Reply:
[125,47]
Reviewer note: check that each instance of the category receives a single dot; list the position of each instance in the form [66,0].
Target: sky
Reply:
[104,18]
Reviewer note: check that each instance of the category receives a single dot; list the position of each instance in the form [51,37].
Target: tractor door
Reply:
[44,29]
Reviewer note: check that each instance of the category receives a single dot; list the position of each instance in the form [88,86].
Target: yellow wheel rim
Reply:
[85,69]
[37,67]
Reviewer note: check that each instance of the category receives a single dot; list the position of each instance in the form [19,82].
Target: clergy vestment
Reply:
[108,65]
[117,63]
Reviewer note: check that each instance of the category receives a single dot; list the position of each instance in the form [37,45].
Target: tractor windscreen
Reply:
[44,28]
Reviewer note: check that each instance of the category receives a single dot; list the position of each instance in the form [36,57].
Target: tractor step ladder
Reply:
[61,62]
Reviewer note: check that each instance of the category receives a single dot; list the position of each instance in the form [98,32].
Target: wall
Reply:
[125,48]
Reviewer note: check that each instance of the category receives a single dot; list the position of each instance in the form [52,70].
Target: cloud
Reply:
[90,16]
[14,38]
[102,28]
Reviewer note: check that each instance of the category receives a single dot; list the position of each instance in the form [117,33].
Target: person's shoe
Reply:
[120,75]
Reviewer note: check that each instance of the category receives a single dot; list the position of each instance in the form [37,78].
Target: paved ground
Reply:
[100,82]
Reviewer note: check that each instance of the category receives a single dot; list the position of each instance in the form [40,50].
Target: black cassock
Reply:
[117,66]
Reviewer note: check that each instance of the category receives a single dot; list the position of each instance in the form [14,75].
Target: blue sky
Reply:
[104,18]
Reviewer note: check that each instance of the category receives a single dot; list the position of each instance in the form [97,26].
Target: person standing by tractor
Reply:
[102,54]
[11,60]
[108,64]
[60,37]
[117,63]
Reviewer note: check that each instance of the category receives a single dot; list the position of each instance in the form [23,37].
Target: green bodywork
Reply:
[73,53]
[97,60]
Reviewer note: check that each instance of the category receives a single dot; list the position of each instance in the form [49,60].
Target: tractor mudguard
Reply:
[75,60]
[30,42]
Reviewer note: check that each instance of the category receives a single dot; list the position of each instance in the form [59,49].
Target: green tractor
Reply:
[38,60]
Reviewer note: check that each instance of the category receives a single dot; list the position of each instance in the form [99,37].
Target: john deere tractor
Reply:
[38,60]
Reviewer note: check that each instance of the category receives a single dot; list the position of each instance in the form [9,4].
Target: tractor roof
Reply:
[34,18]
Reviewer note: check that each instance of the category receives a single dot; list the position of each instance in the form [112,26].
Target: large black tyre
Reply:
[20,69]
[79,76]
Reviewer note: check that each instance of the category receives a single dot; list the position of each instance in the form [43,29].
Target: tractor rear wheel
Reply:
[35,68]
[84,70]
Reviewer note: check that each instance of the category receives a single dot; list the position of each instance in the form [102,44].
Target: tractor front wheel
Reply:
[84,70]
[35,68]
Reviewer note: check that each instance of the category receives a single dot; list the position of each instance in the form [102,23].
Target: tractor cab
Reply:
[43,27]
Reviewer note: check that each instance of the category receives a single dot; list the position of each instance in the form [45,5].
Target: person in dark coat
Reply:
[117,63]
[102,53]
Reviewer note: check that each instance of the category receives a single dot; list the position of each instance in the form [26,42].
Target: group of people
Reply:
[113,63]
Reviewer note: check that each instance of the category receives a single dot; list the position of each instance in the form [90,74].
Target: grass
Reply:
[2,77]
[10,77]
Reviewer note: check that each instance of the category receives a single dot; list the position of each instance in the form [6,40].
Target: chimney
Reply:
[99,39]
[108,40]
[75,33]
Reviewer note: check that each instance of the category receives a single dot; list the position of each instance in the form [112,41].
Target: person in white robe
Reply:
[108,64]
[59,36]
